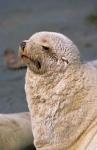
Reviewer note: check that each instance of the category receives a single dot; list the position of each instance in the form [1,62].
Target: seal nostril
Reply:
[23,44]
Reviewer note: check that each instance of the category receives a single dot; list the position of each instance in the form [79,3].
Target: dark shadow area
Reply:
[31,147]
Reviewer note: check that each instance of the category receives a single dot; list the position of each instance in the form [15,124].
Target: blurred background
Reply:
[19,19]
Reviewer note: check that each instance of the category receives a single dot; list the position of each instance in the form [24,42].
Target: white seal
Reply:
[15,131]
[61,93]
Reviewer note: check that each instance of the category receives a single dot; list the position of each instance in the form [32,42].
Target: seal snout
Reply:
[23,45]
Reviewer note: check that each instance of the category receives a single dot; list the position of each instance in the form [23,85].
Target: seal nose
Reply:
[23,45]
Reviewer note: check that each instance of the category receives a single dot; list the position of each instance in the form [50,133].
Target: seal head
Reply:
[45,50]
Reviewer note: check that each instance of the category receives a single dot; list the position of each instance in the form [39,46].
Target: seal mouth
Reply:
[36,62]
[26,57]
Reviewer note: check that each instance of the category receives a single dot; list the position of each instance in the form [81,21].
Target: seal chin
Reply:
[35,70]
[38,63]
[35,65]
[38,67]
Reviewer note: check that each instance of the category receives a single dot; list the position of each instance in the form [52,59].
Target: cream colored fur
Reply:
[15,131]
[62,97]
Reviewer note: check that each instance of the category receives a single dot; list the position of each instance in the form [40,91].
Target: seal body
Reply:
[15,131]
[61,93]
[62,108]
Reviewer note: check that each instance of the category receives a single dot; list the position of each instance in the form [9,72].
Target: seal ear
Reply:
[64,60]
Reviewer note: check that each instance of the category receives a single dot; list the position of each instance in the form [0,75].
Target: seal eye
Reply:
[45,48]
